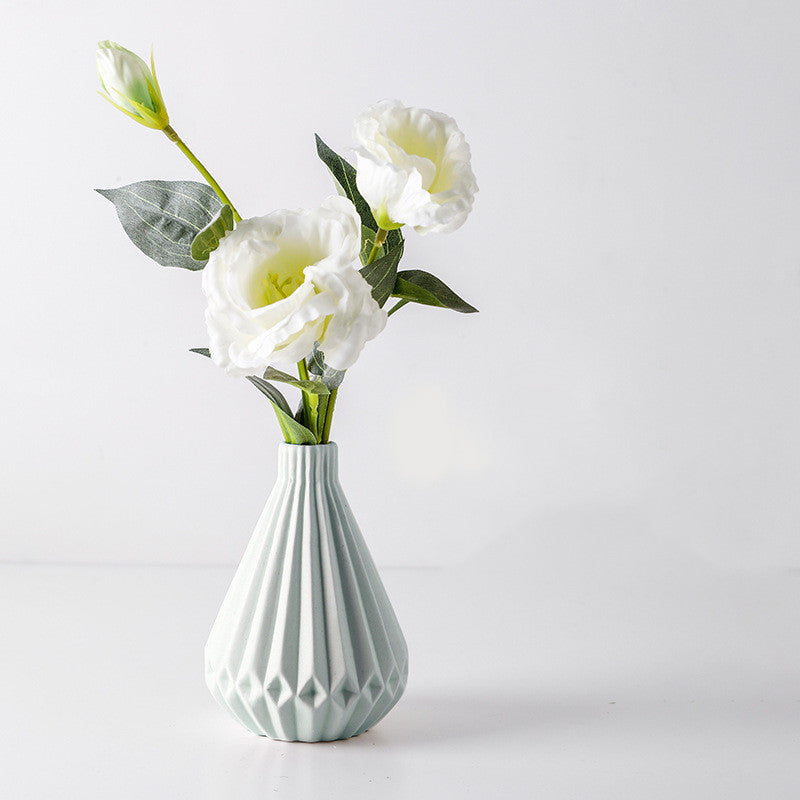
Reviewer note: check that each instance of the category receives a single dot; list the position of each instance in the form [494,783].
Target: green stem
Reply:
[308,412]
[326,430]
[380,238]
[173,137]
[396,306]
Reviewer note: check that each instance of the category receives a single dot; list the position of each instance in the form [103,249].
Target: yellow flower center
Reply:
[281,275]
[276,289]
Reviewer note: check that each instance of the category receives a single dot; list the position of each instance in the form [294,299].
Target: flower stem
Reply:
[326,430]
[308,412]
[396,306]
[380,238]
[170,133]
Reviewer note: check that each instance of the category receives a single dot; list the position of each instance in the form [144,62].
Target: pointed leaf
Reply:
[201,351]
[311,387]
[381,274]
[162,218]
[209,238]
[419,286]
[345,176]
[394,238]
[293,431]
[270,391]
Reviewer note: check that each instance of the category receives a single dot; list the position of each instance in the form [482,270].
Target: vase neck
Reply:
[314,461]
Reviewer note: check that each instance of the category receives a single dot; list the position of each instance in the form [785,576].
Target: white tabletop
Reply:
[558,665]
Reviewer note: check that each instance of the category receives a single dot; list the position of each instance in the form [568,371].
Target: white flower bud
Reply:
[130,85]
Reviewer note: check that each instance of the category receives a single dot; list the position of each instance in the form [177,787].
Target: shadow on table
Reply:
[446,718]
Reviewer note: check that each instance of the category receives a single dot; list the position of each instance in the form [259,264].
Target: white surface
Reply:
[633,251]
[578,660]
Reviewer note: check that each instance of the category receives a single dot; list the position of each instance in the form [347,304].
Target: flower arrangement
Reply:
[302,289]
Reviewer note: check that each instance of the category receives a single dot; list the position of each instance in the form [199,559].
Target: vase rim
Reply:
[306,446]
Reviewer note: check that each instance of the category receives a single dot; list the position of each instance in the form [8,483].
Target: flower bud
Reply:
[130,85]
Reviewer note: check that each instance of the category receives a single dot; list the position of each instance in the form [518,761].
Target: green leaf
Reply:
[331,377]
[419,286]
[311,387]
[271,392]
[209,238]
[162,218]
[312,392]
[394,239]
[293,431]
[201,351]
[381,274]
[344,174]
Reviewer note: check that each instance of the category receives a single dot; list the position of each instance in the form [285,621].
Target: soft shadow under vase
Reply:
[306,646]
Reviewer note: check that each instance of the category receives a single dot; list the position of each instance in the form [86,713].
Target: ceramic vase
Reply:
[306,646]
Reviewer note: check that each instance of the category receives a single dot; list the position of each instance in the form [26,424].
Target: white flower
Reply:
[279,283]
[130,85]
[413,168]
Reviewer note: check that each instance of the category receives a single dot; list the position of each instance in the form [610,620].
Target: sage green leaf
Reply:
[331,377]
[201,351]
[293,431]
[162,218]
[344,174]
[310,387]
[312,390]
[209,238]
[419,286]
[381,274]
[271,392]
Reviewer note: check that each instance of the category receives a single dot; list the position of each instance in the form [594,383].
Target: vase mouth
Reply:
[289,445]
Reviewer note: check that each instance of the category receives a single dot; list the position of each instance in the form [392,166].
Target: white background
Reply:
[633,251]
[608,455]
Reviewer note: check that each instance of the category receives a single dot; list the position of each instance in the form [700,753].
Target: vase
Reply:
[306,646]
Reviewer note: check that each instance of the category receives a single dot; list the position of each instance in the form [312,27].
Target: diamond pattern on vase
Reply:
[306,645]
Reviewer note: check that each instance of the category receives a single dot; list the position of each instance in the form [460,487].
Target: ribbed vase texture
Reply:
[306,646]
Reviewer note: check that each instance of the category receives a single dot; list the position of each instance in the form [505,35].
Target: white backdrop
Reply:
[633,250]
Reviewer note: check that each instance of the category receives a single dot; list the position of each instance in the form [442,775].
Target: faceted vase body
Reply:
[306,646]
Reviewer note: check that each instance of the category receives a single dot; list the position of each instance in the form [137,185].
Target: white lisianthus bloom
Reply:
[130,85]
[279,283]
[413,168]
